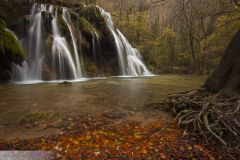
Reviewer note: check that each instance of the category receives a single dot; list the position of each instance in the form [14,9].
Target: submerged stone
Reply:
[65,83]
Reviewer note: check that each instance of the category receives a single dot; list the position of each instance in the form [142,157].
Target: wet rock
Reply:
[65,83]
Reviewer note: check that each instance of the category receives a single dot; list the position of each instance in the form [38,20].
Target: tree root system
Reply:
[212,116]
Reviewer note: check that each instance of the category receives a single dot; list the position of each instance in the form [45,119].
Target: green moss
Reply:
[79,8]
[2,24]
[63,27]
[38,116]
[93,15]
[86,26]
[9,45]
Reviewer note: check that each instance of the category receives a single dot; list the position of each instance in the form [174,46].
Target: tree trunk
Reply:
[226,78]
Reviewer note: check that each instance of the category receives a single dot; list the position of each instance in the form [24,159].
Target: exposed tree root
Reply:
[210,115]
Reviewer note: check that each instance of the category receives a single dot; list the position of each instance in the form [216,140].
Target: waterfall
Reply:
[20,73]
[35,56]
[67,19]
[129,58]
[61,56]
[118,43]
[96,48]
[135,65]
[31,68]
[62,59]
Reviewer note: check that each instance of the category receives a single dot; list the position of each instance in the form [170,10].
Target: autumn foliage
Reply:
[95,138]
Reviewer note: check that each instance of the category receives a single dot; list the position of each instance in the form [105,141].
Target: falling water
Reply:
[36,56]
[67,19]
[118,43]
[96,47]
[135,65]
[129,57]
[31,69]
[61,56]
[67,64]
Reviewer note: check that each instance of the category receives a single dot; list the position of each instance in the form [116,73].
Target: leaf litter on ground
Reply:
[98,138]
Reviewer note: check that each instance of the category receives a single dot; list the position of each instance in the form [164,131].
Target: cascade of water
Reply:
[61,56]
[31,68]
[20,73]
[96,47]
[67,65]
[129,57]
[67,19]
[36,56]
[118,43]
[80,44]
[135,65]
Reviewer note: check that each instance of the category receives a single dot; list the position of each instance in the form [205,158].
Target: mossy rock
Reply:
[79,8]
[91,11]
[9,45]
[93,15]
[87,27]
[37,117]
[63,28]
[64,3]
[10,51]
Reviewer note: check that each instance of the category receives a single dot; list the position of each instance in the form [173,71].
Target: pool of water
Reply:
[91,96]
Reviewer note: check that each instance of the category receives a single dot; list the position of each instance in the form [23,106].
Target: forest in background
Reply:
[176,36]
